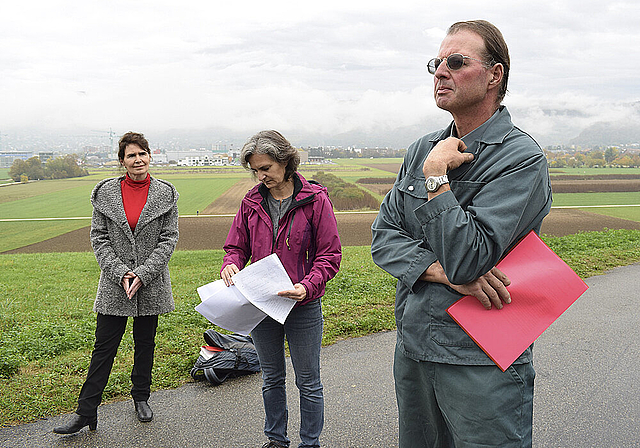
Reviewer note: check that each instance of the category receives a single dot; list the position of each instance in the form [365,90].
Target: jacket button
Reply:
[410,188]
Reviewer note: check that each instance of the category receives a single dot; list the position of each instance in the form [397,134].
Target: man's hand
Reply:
[447,155]
[488,289]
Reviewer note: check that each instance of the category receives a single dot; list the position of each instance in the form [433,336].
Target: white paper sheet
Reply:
[228,308]
[240,307]
[260,283]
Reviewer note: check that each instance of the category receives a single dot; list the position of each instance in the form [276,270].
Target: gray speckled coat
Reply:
[146,251]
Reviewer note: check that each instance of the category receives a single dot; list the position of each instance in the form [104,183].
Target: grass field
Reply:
[630,213]
[589,199]
[596,199]
[46,323]
[64,198]
[200,186]
[593,171]
[21,233]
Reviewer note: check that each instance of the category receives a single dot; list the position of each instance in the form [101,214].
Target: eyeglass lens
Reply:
[454,62]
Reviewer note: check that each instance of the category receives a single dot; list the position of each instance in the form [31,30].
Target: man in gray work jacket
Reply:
[463,197]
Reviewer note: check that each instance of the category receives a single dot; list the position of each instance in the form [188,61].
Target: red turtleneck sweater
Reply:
[134,196]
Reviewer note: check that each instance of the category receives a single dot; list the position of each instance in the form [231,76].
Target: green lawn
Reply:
[47,326]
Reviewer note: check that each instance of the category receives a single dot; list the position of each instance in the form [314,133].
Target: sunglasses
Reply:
[455,61]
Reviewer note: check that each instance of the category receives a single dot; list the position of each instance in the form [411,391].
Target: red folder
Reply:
[542,288]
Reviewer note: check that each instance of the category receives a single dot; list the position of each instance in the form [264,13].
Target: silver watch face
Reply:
[432,185]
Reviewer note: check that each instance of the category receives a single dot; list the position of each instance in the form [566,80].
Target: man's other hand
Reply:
[489,289]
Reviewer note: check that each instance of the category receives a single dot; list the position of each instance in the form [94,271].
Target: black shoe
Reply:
[145,414]
[274,444]
[76,424]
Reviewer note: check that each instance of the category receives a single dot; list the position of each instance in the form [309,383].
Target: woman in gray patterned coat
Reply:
[134,230]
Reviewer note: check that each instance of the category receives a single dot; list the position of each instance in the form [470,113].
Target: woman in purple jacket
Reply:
[286,215]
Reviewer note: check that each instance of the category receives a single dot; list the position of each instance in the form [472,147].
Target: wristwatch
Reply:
[434,182]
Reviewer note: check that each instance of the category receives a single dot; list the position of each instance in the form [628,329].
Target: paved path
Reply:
[587,391]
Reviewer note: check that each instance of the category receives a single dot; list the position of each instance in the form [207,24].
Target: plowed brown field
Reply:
[208,232]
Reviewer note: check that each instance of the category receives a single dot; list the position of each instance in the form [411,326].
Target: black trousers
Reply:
[109,331]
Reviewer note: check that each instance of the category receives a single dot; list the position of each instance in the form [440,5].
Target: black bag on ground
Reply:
[238,357]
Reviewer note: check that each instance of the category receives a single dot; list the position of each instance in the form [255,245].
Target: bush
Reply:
[58,168]
[346,196]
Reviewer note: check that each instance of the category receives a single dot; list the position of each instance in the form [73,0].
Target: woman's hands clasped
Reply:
[131,283]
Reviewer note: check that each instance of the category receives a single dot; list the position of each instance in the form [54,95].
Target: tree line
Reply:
[609,157]
[54,168]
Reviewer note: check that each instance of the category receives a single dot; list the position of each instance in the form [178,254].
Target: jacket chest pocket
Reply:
[465,191]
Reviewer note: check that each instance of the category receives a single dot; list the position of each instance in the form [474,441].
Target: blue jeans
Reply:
[446,406]
[303,330]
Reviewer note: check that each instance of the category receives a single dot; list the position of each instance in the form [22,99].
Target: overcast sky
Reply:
[322,67]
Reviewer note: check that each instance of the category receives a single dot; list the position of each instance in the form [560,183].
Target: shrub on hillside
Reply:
[346,196]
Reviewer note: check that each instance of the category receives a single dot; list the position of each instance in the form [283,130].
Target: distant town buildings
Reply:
[205,160]
[8,157]
[220,154]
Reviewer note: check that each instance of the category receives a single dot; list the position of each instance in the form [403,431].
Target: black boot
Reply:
[76,424]
[145,414]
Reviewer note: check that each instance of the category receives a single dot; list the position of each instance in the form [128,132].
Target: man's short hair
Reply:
[494,43]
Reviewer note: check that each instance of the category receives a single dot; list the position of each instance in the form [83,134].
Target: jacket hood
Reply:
[303,191]
[106,198]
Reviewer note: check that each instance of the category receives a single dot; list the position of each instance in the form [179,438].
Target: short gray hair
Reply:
[273,144]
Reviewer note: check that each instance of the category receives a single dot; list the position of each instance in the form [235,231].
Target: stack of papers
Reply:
[252,297]
[542,288]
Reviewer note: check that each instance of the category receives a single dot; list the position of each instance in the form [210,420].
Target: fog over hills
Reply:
[549,126]
[620,132]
